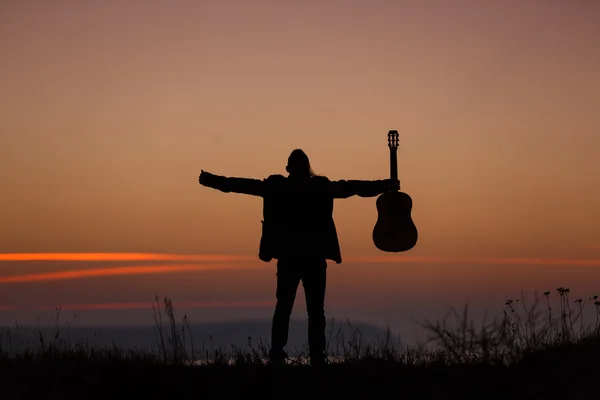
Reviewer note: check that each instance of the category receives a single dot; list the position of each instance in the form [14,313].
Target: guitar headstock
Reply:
[393,139]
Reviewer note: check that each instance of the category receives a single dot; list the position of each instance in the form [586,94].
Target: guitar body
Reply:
[394,230]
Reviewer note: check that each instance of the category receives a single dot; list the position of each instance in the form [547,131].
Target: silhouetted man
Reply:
[298,230]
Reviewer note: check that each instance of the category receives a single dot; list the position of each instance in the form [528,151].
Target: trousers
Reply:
[312,272]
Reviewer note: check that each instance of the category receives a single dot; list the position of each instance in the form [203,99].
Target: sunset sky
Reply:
[110,109]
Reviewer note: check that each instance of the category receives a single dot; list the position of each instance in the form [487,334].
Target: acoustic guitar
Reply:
[394,230]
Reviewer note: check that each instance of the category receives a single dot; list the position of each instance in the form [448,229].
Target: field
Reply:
[542,350]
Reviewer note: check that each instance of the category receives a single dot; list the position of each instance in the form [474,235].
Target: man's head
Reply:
[298,164]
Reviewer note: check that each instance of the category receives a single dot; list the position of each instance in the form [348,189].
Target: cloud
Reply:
[122,257]
[115,271]
[217,262]
[396,258]
[148,305]
[474,260]
[143,305]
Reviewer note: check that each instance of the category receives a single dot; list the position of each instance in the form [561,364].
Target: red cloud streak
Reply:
[225,262]
[396,258]
[131,270]
[475,260]
[144,305]
[121,257]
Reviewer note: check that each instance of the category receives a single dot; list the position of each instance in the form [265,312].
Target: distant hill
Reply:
[207,335]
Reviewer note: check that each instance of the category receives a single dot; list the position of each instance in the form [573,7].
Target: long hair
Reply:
[298,164]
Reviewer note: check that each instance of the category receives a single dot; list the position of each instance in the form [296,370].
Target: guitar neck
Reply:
[393,163]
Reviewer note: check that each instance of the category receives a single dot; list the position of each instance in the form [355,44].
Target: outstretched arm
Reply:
[343,189]
[254,187]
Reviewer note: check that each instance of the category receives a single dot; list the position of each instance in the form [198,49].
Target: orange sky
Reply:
[114,107]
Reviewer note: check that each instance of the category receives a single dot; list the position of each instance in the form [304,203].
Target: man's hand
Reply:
[203,176]
[392,185]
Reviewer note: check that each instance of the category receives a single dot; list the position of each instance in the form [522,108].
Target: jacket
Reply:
[297,212]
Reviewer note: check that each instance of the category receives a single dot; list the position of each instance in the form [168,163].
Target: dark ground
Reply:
[83,379]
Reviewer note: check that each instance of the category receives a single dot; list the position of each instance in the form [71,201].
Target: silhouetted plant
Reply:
[523,331]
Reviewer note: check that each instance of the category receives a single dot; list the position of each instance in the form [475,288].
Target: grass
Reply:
[552,352]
